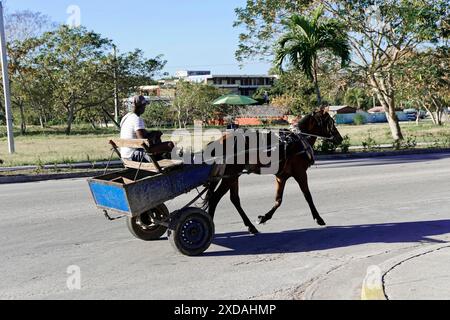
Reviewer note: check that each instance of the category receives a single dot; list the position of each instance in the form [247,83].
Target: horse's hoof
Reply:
[320,222]
[261,220]
[253,230]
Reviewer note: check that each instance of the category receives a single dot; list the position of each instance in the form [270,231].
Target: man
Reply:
[133,127]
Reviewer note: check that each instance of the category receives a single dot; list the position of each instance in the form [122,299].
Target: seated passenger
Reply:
[133,127]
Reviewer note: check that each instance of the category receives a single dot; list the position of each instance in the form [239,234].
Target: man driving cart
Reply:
[133,127]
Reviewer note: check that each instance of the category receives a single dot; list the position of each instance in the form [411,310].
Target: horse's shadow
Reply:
[308,240]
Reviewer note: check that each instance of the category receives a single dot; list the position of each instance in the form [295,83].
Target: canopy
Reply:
[234,100]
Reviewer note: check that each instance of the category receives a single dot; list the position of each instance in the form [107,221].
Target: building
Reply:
[334,110]
[245,85]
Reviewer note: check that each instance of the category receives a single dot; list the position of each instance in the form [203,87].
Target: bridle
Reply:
[320,123]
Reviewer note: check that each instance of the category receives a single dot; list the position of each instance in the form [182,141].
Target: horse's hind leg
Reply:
[217,196]
[281,185]
[235,199]
[302,180]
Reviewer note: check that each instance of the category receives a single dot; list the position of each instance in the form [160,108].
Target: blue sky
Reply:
[192,34]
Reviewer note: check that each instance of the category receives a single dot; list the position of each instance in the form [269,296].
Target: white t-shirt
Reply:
[129,125]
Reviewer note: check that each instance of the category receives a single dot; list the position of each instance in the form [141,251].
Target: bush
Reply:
[359,120]
[369,144]
[326,147]
[345,145]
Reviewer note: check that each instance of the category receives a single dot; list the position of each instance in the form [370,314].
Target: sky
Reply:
[191,34]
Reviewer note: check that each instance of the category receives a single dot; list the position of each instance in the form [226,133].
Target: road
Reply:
[376,210]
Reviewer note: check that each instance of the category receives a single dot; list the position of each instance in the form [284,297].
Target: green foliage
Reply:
[326,147]
[68,75]
[387,31]
[424,82]
[357,97]
[194,102]
[159,115]
[293,93]
[305,39]
[359,119]
[345,145]
[369,144]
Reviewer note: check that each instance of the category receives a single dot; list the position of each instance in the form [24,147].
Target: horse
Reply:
[319,124]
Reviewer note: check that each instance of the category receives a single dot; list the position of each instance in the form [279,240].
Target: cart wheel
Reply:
[144,228]
[191,231]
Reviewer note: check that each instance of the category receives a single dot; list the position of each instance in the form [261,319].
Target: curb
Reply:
[47,177]
[393,263]
[26,179]
[374,286]
[365,155]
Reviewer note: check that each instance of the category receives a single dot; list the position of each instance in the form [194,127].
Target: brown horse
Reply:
[295,165]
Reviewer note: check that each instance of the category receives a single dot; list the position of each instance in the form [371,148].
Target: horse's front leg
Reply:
[281,185]
[302,180]
[235,199]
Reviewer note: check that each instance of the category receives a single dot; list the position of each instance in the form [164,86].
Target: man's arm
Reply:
[142,134]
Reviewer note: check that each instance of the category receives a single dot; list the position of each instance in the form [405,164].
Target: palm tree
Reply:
[306,38]
[355,96]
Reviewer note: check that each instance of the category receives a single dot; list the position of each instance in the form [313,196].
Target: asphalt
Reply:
[392,213]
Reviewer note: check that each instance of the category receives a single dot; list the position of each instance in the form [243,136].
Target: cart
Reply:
[140,191]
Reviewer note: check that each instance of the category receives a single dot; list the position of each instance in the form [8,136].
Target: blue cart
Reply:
[139,192]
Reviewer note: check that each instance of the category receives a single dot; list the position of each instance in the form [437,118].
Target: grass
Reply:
[52,146]
[423,133]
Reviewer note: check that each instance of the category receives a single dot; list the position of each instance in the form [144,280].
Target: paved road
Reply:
[376,210]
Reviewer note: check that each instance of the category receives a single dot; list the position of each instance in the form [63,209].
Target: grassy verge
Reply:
[52,146]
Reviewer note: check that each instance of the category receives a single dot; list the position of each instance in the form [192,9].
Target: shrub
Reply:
[359,120]
[326,147]
[369,144]
[345,145]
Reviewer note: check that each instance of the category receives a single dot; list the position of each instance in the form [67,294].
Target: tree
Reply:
[26,24]
[424,78]
[380,35]
[22,26]
[74,65]
[262,24]
[306,38]
[293,93]
[194,101]
[356,97]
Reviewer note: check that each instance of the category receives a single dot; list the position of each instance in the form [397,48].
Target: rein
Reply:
[315,136]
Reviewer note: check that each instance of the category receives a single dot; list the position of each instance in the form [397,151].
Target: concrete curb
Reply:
[37,178]
[47,177]
[364,155]
[374,286]
[390,265]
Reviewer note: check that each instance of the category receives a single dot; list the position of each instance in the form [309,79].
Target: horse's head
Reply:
[321,124]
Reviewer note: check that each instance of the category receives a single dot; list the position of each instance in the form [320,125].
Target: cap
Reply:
[139,101]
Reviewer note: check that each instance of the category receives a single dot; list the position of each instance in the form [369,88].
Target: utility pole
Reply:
[116,86]
[9,120]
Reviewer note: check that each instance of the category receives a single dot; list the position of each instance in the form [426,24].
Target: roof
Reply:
[260,112]
[242,76]
[337,108]
[377,110]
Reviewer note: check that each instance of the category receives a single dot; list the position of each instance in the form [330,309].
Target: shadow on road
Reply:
[329,238]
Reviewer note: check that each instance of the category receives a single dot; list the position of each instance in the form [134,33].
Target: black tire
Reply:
[191,231]
[143,227]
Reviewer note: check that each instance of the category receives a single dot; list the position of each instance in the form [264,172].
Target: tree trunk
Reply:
[394,124]
[23,126]
[388,102]
[70,119]
[316,84]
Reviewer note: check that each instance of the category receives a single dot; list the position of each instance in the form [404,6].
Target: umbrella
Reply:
[234,100]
